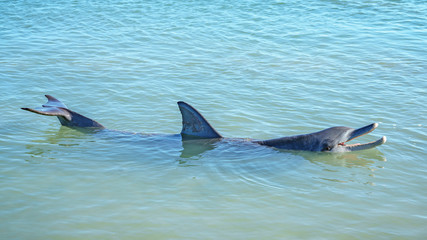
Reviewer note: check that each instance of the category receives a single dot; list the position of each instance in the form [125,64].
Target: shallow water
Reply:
[253,69]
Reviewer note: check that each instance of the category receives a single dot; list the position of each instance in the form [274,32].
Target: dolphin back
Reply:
[194,125]
[66,117]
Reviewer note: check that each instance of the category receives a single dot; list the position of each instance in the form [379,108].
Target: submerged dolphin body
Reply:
[195,126]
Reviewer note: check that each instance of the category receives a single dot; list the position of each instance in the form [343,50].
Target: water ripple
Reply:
[253,69]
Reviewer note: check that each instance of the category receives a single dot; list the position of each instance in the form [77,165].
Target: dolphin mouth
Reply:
[361,132]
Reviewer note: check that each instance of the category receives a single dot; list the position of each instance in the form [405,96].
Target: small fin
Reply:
[68,118]
[53,102]
[51,111]
[194,125]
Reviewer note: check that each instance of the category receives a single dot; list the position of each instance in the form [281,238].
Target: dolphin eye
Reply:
[326,148]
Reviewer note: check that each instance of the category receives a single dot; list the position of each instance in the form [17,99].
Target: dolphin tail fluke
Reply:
[68,118]
[194,125]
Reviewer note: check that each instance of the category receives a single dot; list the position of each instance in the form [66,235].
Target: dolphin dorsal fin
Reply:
[194,125]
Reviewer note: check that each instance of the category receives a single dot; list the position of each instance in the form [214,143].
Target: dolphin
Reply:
[333,139]
[196,127]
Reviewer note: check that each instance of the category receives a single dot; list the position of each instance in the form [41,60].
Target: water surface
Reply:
[256,69]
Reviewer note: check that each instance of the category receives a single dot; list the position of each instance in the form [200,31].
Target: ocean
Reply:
[254,69]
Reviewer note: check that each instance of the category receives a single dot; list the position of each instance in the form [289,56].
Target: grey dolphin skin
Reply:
[195,126]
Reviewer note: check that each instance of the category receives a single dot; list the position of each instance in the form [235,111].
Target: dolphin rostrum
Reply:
[195,126]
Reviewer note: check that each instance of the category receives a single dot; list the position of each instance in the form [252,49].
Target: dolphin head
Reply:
[335,139]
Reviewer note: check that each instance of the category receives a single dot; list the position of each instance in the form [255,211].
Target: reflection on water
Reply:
[348,167]
[365,158]
[194,149]
[50,141]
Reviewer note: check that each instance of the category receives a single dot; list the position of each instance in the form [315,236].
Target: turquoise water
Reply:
[256,69]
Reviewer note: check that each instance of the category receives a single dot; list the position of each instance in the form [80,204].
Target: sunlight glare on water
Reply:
[254,69]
